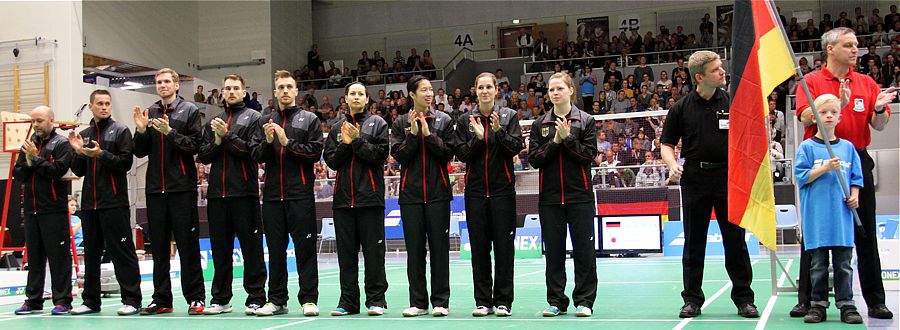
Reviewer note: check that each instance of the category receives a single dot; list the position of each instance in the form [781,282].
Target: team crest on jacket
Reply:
[545,131]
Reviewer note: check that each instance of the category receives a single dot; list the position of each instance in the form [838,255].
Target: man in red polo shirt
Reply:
[863,106]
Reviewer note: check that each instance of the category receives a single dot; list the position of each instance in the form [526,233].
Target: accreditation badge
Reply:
[859,105]
[545,131]
[339,136]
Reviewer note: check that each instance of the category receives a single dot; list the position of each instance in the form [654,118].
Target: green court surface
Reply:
[635,293]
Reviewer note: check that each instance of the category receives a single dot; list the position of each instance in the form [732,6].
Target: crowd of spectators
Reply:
[373,70]
[628,149]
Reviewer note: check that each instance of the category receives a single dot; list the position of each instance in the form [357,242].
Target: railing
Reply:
[381,78]
[547,65]
[463,54]
[668,56]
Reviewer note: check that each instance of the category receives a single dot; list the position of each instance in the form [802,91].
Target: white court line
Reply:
[372,319]
[531,273]
[718,294]
[767,312]
[291,280]
[289,324]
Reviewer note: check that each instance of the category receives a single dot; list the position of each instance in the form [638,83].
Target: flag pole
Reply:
[844,187]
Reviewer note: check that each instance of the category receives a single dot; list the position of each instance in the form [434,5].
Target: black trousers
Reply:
[168,215]
[230,217]
[588,101]
[427,222]
[492,221]
[578,219]
[47,238]
[868,261]
[295,220]
[112,227]
[701,190]
[355,227]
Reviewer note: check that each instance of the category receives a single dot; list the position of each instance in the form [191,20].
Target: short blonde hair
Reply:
[827,99]
[169,71]
[698,61]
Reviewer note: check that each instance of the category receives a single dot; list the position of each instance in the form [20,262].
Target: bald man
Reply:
[44,159]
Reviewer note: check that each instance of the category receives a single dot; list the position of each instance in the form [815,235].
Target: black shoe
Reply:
[849,315]
[880,311]
[816,314]
[689,310]
[748,310]
[799,310]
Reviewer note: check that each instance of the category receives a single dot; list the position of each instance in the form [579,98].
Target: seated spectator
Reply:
[412,59]
[650,173]
[620,104]
[602,144]
[373,77]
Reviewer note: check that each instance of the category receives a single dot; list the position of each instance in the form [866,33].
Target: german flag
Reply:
[761,61]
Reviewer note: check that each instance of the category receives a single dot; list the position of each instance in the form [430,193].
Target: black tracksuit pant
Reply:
[230,217]
[701,190]
[294,219]
[492,221]
[579,218]
[355,227]
[868,260]
[168,215]
[427,222]
[112,227]
[47,238]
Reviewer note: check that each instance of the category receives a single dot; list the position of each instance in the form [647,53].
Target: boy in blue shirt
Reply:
[827,221]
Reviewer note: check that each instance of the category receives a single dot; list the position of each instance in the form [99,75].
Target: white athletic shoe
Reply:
[482,311]
[270,309]
[83,309]
[414,311]
[583,311]
[128,310]
[310,309]
[439,311]
[251,309]
[376,310]
[214,309]
[503,311]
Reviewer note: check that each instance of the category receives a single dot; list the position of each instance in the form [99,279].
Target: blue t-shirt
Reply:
[78,237]
[587,88]
[827,221]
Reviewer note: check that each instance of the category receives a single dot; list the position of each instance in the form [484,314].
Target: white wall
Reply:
[156,34]
[228,32]
[58,21]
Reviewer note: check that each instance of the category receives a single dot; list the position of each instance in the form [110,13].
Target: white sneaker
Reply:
[310,309]
[127,310]
[503,311]
[214,309]
[376,310]
[414,311]
[83,309]
[482,311]
[251,309]
[270,309]
[583,311]
[440,311]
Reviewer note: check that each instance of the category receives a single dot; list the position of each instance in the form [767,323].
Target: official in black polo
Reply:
[45,158]
[700,121]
